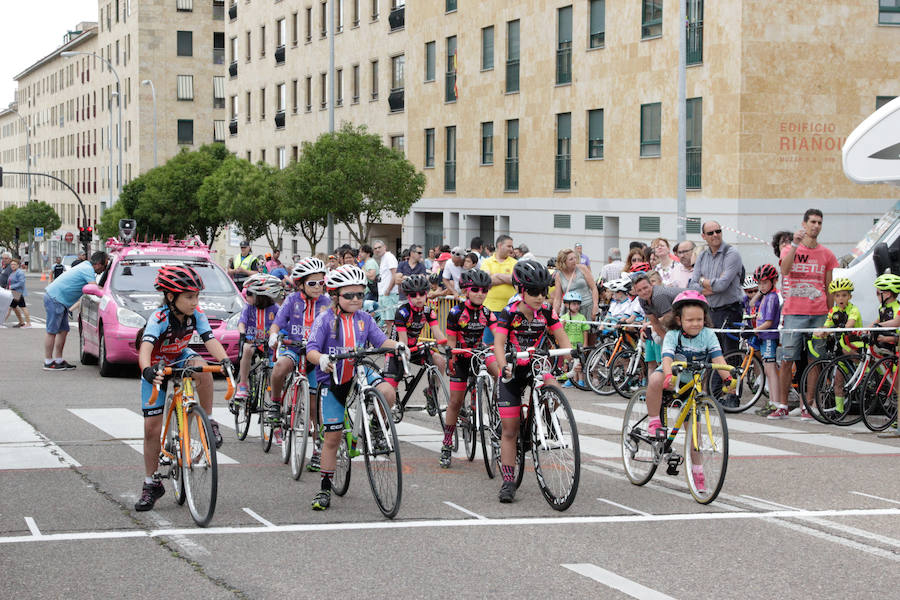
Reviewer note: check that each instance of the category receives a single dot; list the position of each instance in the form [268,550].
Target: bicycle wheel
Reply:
[299,430]
[486,418]
[751,382]
[287,410]
[172,443]
[266,430]
[597,370]
[879,394]
[200,468]
[808,379]
[626,382]
[441,394]
[639,456]
[340,483]
[382,451]
[834,380]
[555,449]
[244,410]
[705,449]
[468,422]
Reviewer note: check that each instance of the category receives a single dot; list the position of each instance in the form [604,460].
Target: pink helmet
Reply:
[690,297]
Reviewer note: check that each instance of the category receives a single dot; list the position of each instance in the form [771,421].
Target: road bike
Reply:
[258,385]
[705,439]
[187,447]
[295,424]
[474,414]
[598,364]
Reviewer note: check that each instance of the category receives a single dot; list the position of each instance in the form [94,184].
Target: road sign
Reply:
[70,237]
[39,234]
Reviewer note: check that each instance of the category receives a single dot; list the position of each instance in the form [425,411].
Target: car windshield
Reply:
[879,232]
[139,275]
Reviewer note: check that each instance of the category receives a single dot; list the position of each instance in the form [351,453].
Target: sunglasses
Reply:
[317,283]
[353,295]
[478,290]
[536,291]
[714,232]
[416,294]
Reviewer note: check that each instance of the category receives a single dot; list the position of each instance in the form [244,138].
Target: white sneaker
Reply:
[796,411]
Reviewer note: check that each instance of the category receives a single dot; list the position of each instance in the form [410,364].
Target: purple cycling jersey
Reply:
[295,318]
[769,309]
[257,321]
[352,331]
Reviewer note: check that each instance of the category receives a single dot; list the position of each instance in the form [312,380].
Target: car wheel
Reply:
[107,369]
[86,358]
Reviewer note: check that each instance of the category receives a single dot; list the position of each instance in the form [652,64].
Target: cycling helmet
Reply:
[178,279]
[572,297]
[640,267]
[749,283]
[531,274]
[841,284]
[263,284]
[888,282]
[690,297]
[764,272]
[551,263]
[308,266]
[434,278]
[414,283]
[623,284]
[474,277]
[345,275]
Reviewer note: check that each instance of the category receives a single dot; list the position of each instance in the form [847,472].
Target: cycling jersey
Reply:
[296,315]
[619,309]
[889,311]
[839,317]
[523,333]
[466,323]
[171,337]
[679,346]
[338,333]
[412,320]
[257,321]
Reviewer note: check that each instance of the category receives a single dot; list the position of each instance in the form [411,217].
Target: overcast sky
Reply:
[31,30]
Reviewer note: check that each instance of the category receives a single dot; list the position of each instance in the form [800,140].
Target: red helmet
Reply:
[764,272]
[178,279]
[640,267]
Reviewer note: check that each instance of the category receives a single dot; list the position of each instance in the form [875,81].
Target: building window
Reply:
[562,221]
[185,131]
[248,106]
[262,155]
[280,98]
[184,5]
[323,30]
[280,37]
[651,115]
[595,133]
[563,176]
[233,47]
[355,84]
[262,103]
[218,131]
[185,43]
[219,91]
[648,224]
[451,92]
[375,79]
[651,18]
[396,98]
[295,29]
[692,225]
[308,93]
[487,48]
[338,16]
[694,32]
[295,100]
[450,163]
[309,24]
[889,12]
[694,142]
[564,45]
[593,222]
[429,61]
[262,40]
[282,157]
[511,176]
[429,148]
[248,47]
[597,33]
[218,48]
[882,100]
[323,100]
[450,6]
[355,13]
[374,10]
[512,56]
[339,85]
[397,16]
[398,143]
[234,108]
[185,86]
[487,143]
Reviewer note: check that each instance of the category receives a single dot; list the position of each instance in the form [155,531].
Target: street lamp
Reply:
[70,54]
[109,144]
[27,151]
[152,91]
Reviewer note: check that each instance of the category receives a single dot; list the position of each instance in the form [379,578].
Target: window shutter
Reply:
[562,221]
[594,222]
[648,224]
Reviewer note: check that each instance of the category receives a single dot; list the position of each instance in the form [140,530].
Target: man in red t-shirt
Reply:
[806,268]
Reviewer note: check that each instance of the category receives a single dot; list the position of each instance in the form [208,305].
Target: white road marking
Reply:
[424,437]
[32,527]
[769,502]
[623,507]
[24,447]
[617,582]
[191,548]
[876,497]
[258,518]
[127,427]
[225,419]
[464,510]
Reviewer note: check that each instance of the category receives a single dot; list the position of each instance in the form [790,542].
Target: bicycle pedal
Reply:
[674,462]
[165,461]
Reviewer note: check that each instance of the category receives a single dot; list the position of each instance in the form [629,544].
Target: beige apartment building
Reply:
[555,120]
[71,106]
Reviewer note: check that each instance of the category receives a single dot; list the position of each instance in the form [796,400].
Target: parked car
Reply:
[117,307]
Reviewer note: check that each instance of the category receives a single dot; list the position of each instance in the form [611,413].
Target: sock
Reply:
[59,361]
[509,473]
[696,469]
[839,403]
[326,480]
[148,480]
[48,361]
[448,434]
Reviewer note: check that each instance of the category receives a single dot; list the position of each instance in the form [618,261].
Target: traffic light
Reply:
[85,234]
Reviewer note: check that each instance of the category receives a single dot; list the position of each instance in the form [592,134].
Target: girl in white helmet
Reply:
[264,293]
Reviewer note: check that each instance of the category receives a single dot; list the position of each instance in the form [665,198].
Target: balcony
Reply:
[511,177]
[397,18]
[218,56]
[396,100]
[694,163]
[563,66]
[450,176]
[232,11]
[279,120]
[232,127]
[279,55]
[450,87]
[563,179]
[694,43]
[232,69]
[512,76]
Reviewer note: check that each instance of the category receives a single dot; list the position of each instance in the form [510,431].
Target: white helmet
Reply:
[263,284]
[345,275]
[308,266]
[750,283]
[622,284]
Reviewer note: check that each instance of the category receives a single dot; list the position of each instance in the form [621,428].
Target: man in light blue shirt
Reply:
[58,299]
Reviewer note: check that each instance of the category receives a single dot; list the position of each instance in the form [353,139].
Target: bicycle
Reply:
[471,419]
[752,382]
[552,437]
[628,370]
[437,394]
[706,447]
[258,380]
[185,448]
[598,365]
[295,423]
[369,431]
[880,394]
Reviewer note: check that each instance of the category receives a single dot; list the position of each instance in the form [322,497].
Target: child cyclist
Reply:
[690,339]
[522,324]
[342,328]
[767,308]
[887,287]
[165,337]
[466,323]
[263,294]
[294,319]
[574,323]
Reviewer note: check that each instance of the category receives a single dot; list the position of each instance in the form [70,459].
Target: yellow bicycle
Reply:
[706,434]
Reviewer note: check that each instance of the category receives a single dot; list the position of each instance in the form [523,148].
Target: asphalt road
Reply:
[806,511]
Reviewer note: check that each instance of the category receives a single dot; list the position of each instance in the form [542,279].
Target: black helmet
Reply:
[531,274]
[414,283]
[474,277]
[434,278]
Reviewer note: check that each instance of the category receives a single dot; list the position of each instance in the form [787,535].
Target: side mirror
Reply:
[92,289]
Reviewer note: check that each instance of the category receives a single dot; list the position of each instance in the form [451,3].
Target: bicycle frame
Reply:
[178,407]
[411,382]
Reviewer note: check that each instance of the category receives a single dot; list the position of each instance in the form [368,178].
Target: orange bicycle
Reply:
[187,457]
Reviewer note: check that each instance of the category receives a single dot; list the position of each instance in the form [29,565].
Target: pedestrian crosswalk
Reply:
[600,425]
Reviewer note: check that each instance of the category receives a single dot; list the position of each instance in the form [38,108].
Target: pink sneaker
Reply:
[779,413]
[699,479]
[653,426]
[276,437]
[805,416]
[242,392]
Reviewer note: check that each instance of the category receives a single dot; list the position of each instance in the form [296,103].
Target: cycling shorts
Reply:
[510,401]
[768,349]
[458,371]
[295,358]
[156,408]
[333,397]
[394,371]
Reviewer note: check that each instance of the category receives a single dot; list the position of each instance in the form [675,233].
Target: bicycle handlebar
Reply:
[191,370]
[679,366]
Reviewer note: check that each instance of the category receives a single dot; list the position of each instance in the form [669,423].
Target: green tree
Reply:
[8,228]
[37,214]
[307,211]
